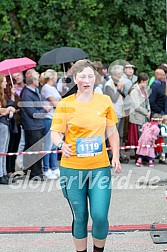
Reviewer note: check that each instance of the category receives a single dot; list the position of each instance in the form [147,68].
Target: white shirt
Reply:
[49,91]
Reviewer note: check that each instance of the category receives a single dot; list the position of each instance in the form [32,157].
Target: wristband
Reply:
[60,145]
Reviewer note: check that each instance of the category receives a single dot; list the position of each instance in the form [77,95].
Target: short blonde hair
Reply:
[42,79]
[50,73]
[164,119]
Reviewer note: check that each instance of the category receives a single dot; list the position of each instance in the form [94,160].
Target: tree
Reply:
[121,29]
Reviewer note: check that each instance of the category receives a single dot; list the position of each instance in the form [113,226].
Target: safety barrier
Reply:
[59,151]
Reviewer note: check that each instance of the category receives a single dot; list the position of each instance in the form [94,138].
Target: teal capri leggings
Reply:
[78,187]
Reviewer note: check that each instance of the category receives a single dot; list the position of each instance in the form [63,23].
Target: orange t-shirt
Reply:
[79,120]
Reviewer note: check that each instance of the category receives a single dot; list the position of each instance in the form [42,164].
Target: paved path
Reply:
[135,200]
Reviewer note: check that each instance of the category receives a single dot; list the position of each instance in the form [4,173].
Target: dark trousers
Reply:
[125,130]
[13,147]
[33,142]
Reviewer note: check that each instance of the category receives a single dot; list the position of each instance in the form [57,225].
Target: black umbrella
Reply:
[62,55]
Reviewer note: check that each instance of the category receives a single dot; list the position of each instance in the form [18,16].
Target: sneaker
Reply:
[124,159]
[3,181]
[50,175]
[37,177]
[138,163]
[161,161]
[151,163]
[56,172]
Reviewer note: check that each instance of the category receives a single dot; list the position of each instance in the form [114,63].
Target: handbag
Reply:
[12,125]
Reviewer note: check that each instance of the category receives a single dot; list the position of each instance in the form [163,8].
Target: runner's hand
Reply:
[116,164]
[66,150]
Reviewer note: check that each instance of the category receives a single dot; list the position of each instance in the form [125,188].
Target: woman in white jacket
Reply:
[139,108]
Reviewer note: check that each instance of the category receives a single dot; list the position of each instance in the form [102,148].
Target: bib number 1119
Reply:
[89,146]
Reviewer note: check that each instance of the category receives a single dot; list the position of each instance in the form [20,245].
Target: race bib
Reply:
[89,146]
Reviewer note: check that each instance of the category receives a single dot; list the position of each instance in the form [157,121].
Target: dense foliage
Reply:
[107,30]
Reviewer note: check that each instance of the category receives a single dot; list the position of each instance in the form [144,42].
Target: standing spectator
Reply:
[158,96]
[65,85]
[105,71]
[166,105]
[140,108]
[166,100]
[150,131]
[71,88]
[42,79]
[33,123]
[51,96]
[98,88]
[114,89]
[16,137]
[162,66]
[128,79]
[18,82]
[6,114]
[163,127]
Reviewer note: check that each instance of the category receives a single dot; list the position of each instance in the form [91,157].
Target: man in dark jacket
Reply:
[158,97]
[32,113]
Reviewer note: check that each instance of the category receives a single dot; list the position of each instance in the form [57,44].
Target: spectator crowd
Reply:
[27,108]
